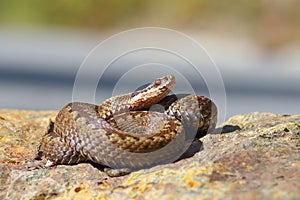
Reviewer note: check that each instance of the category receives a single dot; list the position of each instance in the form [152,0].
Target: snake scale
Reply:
[127,131]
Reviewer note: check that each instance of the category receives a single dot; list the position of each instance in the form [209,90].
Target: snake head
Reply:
[156,91]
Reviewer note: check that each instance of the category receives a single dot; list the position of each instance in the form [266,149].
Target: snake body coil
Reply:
[122,132]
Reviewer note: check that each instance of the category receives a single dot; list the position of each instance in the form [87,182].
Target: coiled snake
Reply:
[125,132]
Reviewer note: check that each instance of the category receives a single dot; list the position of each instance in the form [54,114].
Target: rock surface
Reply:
[257,156]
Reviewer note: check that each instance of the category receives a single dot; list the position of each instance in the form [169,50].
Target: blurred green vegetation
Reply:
[270,22]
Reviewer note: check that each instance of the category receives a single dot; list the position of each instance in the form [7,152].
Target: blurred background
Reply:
[255,45]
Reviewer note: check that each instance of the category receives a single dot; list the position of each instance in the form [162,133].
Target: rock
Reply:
[257,156]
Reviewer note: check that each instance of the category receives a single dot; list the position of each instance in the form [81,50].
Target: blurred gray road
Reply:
[38,69]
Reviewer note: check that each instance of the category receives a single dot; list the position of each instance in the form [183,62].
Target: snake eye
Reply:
[157,82]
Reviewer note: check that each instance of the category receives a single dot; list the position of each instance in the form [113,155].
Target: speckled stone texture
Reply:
[257,156]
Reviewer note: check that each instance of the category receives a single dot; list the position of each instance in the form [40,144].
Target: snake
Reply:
[131,131]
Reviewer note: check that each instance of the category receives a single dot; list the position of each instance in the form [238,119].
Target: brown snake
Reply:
[123,133]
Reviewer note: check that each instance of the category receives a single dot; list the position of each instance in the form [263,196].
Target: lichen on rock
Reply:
[257,156]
